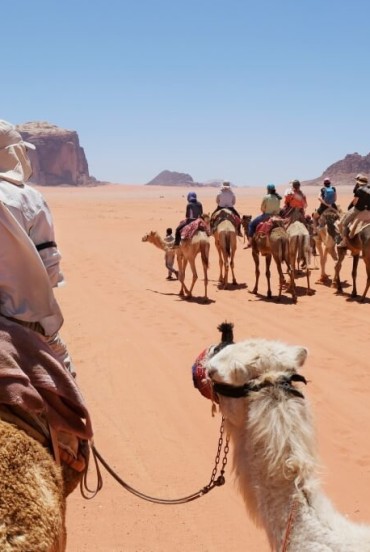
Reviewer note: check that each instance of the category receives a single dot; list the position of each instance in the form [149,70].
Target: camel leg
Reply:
[355,260]
[268,275]
[184,290]
[232,267]
[367,282]
[323,254]
[220,263]
[195,276]
[337,268]
[205,274]
[256,259]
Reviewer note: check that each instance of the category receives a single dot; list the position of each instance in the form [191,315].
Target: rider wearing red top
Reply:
[294,197]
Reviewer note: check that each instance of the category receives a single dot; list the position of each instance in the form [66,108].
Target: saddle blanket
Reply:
[32,380]
[225,214]
[361,221]
[193,227]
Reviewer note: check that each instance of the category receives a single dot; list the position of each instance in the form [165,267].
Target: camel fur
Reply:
[299,248]
[187,253]
[32,496]
[276,246]
[275,460]
[226,244]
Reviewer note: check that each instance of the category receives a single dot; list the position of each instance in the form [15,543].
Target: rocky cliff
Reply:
[345,170]
[58,158]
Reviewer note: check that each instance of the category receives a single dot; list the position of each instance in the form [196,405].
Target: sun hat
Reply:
[225,184]
[361,178]
[15,165]
[271,188]
[327,181]
[9,136]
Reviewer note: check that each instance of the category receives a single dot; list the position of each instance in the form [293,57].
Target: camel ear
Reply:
[301,354]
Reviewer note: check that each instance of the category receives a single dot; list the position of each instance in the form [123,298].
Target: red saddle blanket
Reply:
[225,214]
[33,380]
[193,227]
[266,226]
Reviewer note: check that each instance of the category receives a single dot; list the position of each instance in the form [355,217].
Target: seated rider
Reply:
[194,210]
[225,199]
[327,198]
[361,202]
[294,198]
[270,206]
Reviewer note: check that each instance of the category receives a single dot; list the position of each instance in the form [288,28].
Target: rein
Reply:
[215,480]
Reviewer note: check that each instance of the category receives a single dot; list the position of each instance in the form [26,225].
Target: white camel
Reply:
[269,422]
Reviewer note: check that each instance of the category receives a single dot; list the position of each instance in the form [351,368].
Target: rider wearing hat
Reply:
[360,202]
[270,206]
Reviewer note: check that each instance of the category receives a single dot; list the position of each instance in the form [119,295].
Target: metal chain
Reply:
[215,481]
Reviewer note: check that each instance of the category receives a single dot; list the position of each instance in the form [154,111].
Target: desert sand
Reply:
[134,340]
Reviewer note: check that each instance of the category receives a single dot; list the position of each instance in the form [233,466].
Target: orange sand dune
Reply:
[134,340]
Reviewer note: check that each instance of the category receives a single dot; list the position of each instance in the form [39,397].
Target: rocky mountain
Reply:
[58,158]
[173,178]
[344,171]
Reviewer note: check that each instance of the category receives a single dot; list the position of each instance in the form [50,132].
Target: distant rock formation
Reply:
[173,178]
[344,171]
[58,158]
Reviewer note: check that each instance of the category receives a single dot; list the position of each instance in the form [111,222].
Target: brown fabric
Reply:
[361,221]
[32,379]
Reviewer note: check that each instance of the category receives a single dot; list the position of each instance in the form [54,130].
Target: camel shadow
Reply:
[192,299]
[284,299]
[231,287]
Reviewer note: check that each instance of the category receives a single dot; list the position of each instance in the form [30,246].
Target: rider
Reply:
[225,199]
[29,267]
[327,198]
[194,210]
[360,202]
[270,206]
[294,198]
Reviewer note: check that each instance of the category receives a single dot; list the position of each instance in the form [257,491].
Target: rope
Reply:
[215,481]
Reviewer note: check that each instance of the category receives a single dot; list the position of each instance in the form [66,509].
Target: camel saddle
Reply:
[224,214]
[361,221]
[40,396]
[266,226]
[193,227]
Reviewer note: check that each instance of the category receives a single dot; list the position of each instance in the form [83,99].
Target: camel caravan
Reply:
[257,386]
[287,236]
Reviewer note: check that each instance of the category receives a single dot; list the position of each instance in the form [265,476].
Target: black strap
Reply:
[45,245]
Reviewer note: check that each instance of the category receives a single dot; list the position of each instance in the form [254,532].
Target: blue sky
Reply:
[250,91]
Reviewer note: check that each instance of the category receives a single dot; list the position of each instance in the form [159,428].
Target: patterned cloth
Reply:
[190,229]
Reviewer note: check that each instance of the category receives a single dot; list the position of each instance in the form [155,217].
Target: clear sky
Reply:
[249,91]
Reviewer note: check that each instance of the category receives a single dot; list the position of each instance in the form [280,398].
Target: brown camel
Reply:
[187,253]
[275,245]
[299,248]
[226,243]
[358,245]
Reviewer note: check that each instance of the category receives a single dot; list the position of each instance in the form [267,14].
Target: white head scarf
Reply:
[15,165]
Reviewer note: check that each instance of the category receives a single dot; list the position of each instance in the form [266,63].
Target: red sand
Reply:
[133,341]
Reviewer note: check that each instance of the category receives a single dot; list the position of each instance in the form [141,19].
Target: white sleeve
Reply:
[42,234]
